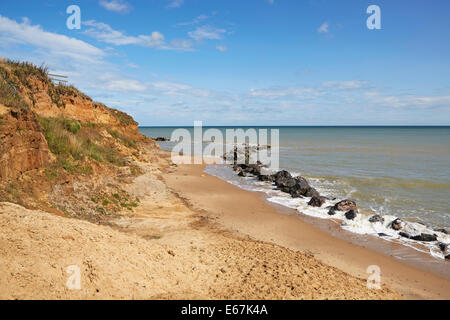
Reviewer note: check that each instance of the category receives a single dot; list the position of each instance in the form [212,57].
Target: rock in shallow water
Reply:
[376,218]
[351,214]
[242,173]
[397,224]
[442,246]
[404,235]
[264,177]
[441,230]
[312,192]
[317,201]
[283,174]
[425,237]
[346,205]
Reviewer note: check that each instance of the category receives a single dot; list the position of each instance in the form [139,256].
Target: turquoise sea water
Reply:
[399,171]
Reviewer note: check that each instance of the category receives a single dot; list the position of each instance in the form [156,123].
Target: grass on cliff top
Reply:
[19,75]
[9,98]
[23,71]
[70,141]
[18,84]
[69,90]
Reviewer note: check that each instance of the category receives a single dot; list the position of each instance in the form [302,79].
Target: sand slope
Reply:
[191,259]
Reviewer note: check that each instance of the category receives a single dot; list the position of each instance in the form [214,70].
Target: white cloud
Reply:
[12,32]
[133,65]
[207,32]
[124,85]
[342,85]
[323,28]
[104,33]
[180,44]
[196,20]
[379,99]
[175,3]
[280,92]
[119,6]
[222,48]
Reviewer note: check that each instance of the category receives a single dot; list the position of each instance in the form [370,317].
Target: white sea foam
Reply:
[360,225]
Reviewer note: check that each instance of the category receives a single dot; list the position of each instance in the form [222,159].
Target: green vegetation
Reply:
[70,141]
[130,143]
[124,118]
[55,96]
[114,202]
[51,174]
[17,75]
[151,237]
[24,71]
[8,96]
[69,90]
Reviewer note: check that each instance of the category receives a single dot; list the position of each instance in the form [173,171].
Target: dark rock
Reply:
[302,188]
[242,173]
[381,234]
[350,215]
[263,177]
[441,230]
[405,235]
[284,182]
[162,139]
[297,187]
[376,218]
[397,224]
[442,246]
[346,205]
[254,169]
[332,211]
[447,257]
[295,193]
[311,192]
[317,201]
[420,237]
[301,184]
[282,174]
[425,237]
[257,171]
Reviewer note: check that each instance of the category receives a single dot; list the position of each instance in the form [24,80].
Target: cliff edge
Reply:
[61,151]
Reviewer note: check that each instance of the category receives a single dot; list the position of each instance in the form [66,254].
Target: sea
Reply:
[396,172]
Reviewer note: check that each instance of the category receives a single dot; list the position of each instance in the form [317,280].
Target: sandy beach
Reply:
[247,213]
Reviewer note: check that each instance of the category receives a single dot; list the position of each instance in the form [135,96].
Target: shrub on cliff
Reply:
[70,142]
[9,98]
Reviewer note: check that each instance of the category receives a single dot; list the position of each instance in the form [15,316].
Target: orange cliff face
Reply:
[75,105]
[27,96]
[22,144]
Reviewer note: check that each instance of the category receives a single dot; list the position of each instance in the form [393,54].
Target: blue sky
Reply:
[252,62]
